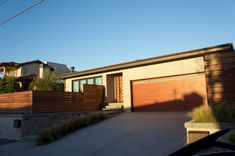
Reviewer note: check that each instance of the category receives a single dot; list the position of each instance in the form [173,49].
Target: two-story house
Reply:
[29,71]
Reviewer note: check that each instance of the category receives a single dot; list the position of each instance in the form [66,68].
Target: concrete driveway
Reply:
[129,134]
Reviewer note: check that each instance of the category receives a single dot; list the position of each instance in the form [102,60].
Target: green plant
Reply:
[224,112]
[231,137]
[216,113]
[57,132]
[9,85]
[48,83]
[46,136]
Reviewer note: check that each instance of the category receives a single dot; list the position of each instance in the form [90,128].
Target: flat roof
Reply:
[149,61]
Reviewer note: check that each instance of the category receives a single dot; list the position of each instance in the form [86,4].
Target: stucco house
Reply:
[178,81]
[28,71]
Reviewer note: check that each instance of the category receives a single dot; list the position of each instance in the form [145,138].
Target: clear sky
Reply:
[94,33]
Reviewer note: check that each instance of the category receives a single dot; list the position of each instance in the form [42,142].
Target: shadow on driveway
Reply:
[129,134]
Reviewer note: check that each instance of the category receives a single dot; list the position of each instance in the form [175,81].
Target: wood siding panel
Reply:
[221,54]
[220,89]
[220,61]
[118,88]
[220,67]
[220,76]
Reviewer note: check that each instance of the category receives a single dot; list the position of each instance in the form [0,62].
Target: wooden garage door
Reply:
[169,93]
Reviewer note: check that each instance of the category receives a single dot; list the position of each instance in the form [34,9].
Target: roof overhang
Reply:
[149,61]
[29,62]
[27,78]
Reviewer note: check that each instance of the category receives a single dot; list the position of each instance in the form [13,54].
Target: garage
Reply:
[181,92]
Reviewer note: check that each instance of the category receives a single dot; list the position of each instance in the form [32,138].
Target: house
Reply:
[28,71]
[178,81]
[58,68]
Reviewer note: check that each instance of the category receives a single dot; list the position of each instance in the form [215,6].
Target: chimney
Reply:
[72,69]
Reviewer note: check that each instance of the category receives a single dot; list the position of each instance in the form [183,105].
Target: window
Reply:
[77,85]
[90,81]
[98,80]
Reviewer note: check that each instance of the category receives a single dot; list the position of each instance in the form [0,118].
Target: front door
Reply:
[118,88]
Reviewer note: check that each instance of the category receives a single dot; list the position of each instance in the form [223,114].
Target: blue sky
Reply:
[94,33]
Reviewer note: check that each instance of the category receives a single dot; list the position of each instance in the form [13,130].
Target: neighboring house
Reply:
[28,71]
[59,69]
[177,81]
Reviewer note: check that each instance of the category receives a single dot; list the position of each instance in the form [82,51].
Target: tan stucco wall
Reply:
[14,72]
[19,72]
[43,70]
[11,73]
[185,66]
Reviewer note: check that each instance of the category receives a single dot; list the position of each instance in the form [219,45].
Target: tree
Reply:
[9,85]
[48,83]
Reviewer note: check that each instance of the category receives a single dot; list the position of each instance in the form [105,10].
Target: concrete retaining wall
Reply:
[201,128]
[7,129]
[32,124]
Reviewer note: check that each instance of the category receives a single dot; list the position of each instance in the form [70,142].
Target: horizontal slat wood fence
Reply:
[51,102]
[16,102]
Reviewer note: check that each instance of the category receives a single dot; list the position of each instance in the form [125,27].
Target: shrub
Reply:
[216,113]
[203,113]
[57,132]
[9,85]
[224,113]
[48,83]
[231,137]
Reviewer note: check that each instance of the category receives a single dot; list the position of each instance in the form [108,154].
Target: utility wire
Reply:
[11,18]
[3,2]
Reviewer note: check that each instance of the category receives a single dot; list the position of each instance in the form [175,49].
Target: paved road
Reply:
[129,134]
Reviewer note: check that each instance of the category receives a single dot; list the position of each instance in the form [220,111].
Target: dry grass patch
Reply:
[215,113]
